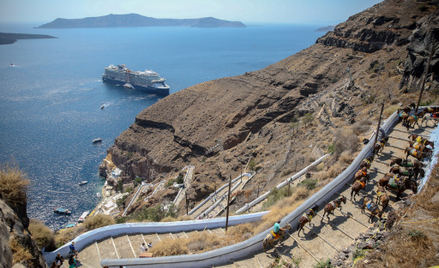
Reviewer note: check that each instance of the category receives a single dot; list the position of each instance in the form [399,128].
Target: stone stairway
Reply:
[324,240]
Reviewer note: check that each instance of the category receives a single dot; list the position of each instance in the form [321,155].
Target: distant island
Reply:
[136,20]
[10,38]
[326,29]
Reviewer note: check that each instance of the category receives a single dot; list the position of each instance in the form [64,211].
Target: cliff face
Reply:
[251,114]
[16,244]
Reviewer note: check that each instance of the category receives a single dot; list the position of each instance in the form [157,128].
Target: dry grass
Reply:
[98,221]
[168,219]
[41,234]
[169,247]
[403,251]
[184,218]
[68,235]
[196,243]
[13,185]
[390,110]
[20,253]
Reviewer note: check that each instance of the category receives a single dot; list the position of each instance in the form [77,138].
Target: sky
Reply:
[321,12]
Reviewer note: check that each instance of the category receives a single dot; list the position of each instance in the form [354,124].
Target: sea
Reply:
[51,98]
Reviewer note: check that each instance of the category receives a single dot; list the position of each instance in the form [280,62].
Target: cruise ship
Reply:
[147,80]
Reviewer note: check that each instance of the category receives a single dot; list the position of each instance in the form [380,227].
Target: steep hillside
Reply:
[377,55]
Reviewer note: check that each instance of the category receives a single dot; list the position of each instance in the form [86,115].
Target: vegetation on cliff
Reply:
[16,240]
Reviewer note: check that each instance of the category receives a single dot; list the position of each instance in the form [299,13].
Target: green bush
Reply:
[331,148]
[275,195]
[324,264]
[416,235]
[358,253]
[252,164]
[309,184]
[155,213]
[334,79]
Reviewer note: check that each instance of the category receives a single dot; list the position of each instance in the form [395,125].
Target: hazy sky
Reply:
[247,11]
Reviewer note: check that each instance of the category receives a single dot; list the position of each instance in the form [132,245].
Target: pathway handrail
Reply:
[85,239]
[280,185]
[248,174]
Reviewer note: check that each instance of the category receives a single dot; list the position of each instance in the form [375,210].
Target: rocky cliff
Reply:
[340,79]
[16,245]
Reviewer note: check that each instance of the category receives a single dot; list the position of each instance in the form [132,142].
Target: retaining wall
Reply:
[90,237]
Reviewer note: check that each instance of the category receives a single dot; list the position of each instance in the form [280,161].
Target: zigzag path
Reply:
[319,242]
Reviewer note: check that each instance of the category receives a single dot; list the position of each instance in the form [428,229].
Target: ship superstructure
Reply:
[147,80]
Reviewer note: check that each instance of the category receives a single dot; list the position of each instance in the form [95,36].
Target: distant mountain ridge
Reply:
[136,20]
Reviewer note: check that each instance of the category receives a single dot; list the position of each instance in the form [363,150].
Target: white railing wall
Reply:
[280,185]
[92,236]
[217,191]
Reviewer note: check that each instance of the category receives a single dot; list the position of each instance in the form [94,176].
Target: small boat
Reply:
[98,140]
[62,211]
[12,65]
[83,216]
[98,195]
[83,182]
[71,225]
[102,106]
[128,85]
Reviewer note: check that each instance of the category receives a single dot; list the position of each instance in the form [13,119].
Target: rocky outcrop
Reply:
[17,249]
[251,114]
[424,43]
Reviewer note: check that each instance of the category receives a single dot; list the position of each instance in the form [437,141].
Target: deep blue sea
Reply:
[50,100]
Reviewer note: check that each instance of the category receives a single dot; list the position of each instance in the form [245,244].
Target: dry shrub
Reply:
[200,242]
[184,218]
[402,252]
[423,201]
[168,219]
[67,235]
[346,157]
[41,234]
[169,247]
[19,253]
[345,141]
[390,110]
[241,232]
[300,193]
[97,221]
[361,126]
[13,185]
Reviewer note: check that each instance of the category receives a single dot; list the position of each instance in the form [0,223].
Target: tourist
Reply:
[73,250]
[53,265]
[59,260]
[72,262]
[149,244]
[142,248]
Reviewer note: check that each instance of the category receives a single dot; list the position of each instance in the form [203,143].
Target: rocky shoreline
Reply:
[10,38]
